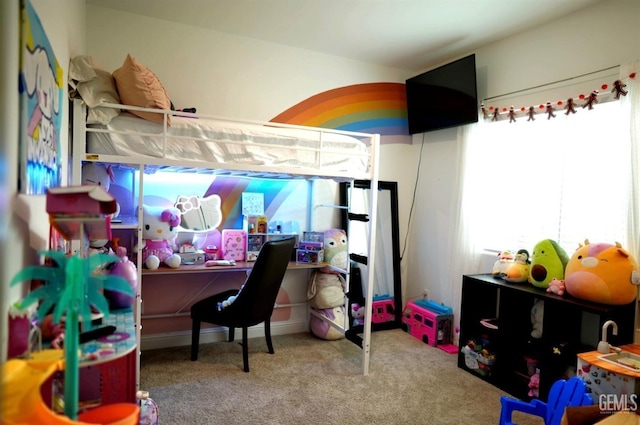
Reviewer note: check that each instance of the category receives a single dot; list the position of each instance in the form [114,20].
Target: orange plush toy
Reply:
[602,273]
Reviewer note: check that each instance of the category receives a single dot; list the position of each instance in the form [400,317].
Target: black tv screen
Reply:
[443,97]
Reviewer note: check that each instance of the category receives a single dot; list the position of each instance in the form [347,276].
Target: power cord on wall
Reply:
[413,200]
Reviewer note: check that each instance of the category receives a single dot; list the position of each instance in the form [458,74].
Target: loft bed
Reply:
[185,142]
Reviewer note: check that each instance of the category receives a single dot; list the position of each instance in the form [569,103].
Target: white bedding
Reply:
[204,140]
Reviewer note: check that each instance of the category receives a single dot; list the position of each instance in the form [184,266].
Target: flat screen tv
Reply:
[443,97]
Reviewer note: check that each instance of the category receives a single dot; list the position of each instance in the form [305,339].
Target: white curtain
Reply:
[631,104]
[567,178]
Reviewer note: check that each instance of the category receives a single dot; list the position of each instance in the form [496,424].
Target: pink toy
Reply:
[234,242]
[556,286]
[534,385]
[159,231]
[357,313]
[383,309]
[127,270]
[431,327]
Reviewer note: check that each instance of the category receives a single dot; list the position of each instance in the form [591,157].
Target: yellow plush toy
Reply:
[602,273]
[548,261]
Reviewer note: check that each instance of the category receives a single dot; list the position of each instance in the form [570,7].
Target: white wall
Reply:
[24,222]
[222,74]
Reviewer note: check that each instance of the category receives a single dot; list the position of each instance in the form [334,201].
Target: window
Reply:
[566,178]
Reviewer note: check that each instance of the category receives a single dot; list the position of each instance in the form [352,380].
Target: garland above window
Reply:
[495,113]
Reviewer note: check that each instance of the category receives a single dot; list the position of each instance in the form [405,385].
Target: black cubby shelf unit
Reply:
[496,325]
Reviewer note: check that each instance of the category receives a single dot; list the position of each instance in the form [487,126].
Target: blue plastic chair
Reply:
[572,392]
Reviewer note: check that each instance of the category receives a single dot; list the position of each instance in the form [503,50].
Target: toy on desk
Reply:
[99,175]
[504,261]
[519,270]
[335,250]
[603,273]
[159,229]
[548,261]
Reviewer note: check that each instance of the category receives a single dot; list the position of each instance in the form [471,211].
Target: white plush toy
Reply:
[325,290]
[159,230]
[537,315]
[99,175]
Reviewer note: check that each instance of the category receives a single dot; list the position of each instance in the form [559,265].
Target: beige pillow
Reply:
[94,86]
[138,86]
[100,89]
[81,68]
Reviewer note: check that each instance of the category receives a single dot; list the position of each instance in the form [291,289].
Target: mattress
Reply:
[204,140]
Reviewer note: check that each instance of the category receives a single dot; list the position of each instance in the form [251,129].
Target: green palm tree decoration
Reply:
[71,288]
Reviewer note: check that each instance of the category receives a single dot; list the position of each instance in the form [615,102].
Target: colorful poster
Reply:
[41,96]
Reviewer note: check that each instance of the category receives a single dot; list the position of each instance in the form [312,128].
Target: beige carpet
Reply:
[312,381]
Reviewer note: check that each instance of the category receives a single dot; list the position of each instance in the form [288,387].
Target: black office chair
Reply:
[254,303]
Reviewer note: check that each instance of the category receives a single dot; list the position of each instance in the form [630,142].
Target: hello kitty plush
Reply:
[158,233]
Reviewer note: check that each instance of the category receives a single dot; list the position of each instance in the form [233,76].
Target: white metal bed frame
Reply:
[79,155]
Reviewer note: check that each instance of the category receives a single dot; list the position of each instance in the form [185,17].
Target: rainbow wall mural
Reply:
[231,189]
[371,108]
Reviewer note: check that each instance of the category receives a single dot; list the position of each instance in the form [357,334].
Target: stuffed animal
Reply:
[159,229]
[534,385]
[548,261]
[556,287]
[325,290]
[99,175]
[335,250]
[602,273]
[537,316]
[357,314]
[127,270]
[324,330]
[519,270]
[504,261]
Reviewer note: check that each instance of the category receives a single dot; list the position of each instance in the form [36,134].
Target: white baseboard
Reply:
[175,339]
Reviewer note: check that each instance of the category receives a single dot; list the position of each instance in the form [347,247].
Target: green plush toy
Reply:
[548,261]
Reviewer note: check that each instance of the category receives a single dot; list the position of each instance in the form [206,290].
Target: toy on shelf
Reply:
[603,273]
[548,261]
[556,287]
[534,385]
[159,230]
[504,261]
[537,316]
[519,270]
[478,358]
